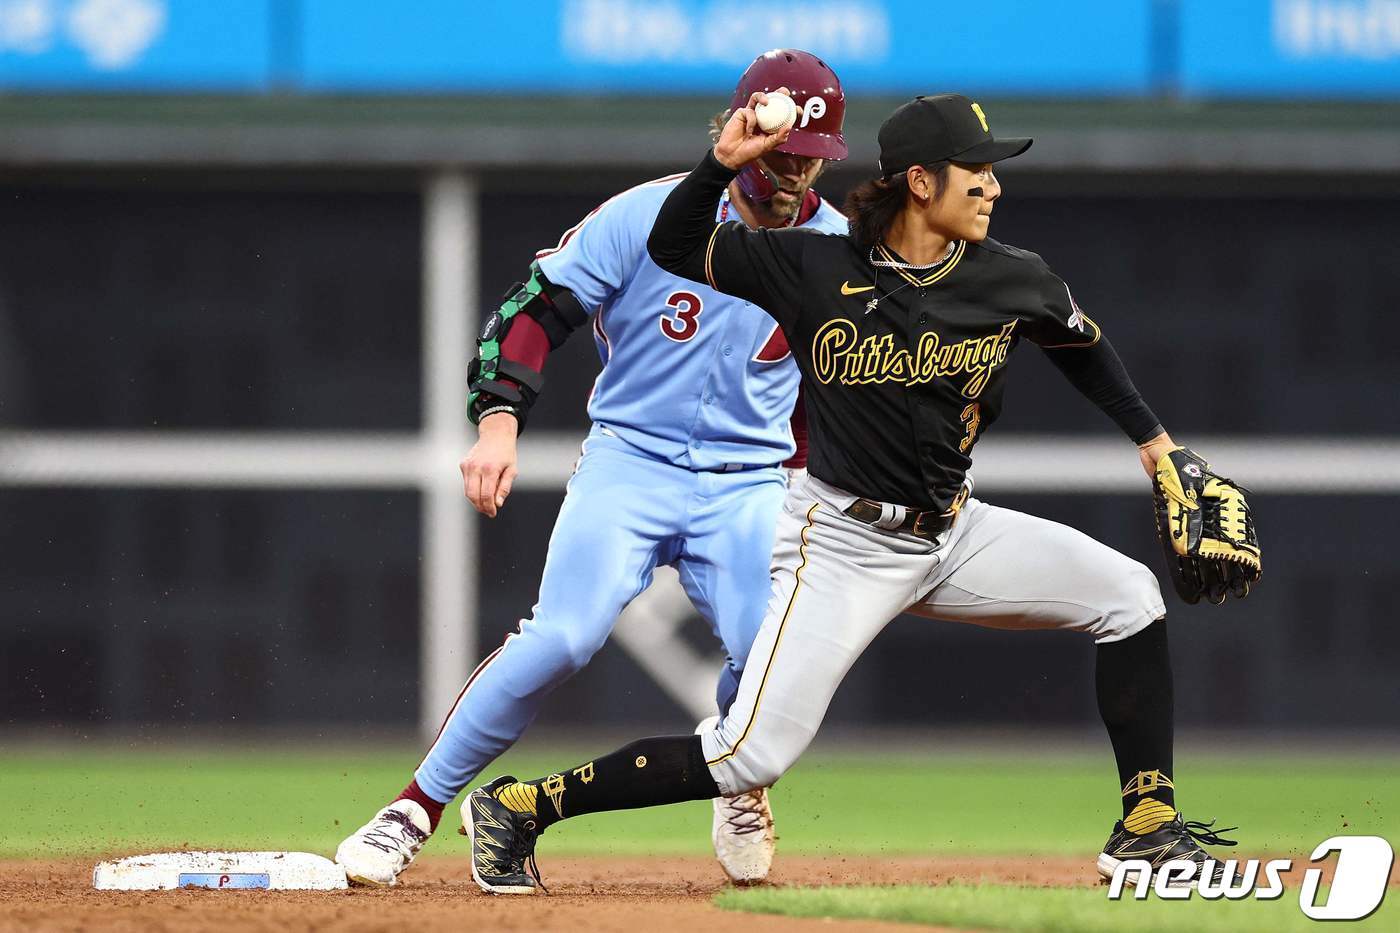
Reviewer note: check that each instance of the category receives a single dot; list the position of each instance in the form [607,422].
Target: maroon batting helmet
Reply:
[821,108]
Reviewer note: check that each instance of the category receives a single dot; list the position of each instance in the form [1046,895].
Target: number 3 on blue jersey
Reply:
[686,322]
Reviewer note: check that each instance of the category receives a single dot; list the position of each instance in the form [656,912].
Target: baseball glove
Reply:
[1206,529]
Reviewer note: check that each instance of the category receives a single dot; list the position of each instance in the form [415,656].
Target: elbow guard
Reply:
[495,381]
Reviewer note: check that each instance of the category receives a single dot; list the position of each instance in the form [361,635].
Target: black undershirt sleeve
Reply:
[680,236]
[761,266]
[1098,374]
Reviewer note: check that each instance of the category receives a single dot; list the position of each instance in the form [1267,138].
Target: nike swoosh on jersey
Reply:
[847,289]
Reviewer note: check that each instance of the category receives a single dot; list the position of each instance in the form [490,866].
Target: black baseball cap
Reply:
[941,128]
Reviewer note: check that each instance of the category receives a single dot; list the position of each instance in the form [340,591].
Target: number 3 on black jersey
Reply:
[972,417]
[685,324]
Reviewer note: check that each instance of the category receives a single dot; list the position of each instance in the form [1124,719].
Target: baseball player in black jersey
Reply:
[903,330]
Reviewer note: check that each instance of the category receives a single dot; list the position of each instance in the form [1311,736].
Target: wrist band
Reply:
[498,408]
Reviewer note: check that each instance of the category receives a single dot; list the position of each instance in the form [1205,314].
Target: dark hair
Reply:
[871,207]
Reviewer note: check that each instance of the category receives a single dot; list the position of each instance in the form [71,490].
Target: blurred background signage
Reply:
[1325,48]
[129,45]
[1031,48]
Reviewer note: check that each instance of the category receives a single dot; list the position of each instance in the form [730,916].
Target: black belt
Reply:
[927,525]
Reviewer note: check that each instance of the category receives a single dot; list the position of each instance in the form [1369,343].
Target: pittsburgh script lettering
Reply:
[836,355]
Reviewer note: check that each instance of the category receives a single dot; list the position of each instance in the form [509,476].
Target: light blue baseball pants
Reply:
[624,514]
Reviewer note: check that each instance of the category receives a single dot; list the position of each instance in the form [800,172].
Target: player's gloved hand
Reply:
[488,470]
[1206,529]
[1151,451]
[741,141]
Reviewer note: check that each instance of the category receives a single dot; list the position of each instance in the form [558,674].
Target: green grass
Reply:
[82,802]
[1006,907]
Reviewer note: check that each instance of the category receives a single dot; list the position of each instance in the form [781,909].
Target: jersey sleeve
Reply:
[762,266]
[597,256]
[1057,321]
[1077,347]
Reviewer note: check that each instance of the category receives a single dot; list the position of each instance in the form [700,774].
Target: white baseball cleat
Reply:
[743,834]
[379,851]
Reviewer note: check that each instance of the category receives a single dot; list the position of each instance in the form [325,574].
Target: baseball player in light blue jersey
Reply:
[682,467]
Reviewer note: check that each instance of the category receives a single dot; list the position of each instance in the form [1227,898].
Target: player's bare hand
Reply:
[488,470]
[1151,451]
[741,141]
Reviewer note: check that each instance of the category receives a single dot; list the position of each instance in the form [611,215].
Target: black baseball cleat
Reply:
[1175,841]
[502,841]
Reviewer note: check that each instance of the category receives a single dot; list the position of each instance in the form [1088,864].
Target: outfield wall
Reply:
[218,465]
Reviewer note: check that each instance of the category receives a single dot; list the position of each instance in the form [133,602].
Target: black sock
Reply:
[646,773]
[1133,680]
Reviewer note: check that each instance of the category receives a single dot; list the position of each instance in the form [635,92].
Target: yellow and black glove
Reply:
[1206,529]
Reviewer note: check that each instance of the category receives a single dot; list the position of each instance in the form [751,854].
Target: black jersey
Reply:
[902,371]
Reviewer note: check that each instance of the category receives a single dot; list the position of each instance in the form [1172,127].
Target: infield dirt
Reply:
[632,894]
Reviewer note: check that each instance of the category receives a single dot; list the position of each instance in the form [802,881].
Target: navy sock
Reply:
[1133,681]
[646,773]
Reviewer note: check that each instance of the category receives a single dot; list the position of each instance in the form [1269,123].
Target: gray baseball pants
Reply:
[836,582]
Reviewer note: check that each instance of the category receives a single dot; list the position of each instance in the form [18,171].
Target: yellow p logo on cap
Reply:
[981,117]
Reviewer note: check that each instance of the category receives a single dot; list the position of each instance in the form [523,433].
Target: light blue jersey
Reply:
[692,413]
[694,376]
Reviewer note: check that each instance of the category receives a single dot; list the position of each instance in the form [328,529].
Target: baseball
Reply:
[778,112]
